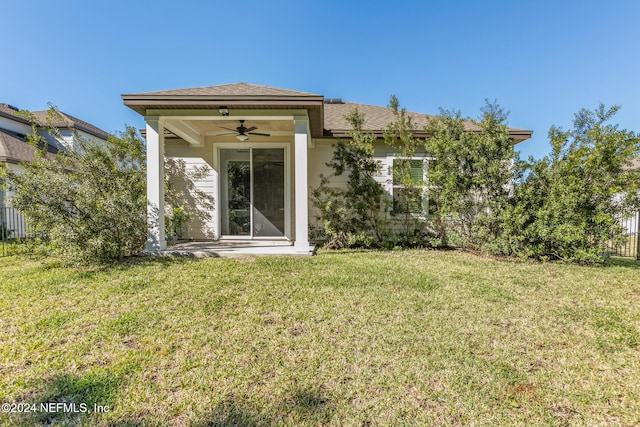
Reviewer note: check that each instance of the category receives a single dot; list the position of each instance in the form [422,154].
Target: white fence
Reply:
[12,227]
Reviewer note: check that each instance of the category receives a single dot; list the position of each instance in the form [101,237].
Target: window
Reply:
[410,190]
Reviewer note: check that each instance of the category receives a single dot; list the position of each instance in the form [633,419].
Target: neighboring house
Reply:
[262,150]
[14,149]
[69,128]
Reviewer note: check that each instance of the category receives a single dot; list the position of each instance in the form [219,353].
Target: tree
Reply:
[471,177]
[353,215]
[400,134]
[568,204]
[89,204]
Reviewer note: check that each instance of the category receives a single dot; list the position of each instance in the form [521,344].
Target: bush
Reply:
[481,196]
[348,214]
[470,178]
[568,204]
[87,205]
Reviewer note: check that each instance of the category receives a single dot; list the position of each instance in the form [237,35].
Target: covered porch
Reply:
[231,249]
[249,145]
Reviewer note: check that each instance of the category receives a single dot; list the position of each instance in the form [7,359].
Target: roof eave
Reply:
[104,136]
[14,117]
[516,135]
[10,160]
[140,103]
[520,135]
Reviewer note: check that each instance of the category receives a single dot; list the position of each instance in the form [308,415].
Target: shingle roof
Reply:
[64,120]
[375,118]
[327,119]
[243,96]
[10,112]
[233,89]
[14,148]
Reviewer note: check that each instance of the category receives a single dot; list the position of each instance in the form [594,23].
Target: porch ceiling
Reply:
[215,127]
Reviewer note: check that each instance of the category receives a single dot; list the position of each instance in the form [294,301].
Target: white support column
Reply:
[302,135]
[155,185]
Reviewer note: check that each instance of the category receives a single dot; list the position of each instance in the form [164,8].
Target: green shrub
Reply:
[89,204]
[567,205]
[359,208]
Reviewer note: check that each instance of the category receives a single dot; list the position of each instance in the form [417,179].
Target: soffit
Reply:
[213,127]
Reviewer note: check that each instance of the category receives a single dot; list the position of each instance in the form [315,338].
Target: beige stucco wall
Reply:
[319,154]
[203,225]
[322,153]
[188,159]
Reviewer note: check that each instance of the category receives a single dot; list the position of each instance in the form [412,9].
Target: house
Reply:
[261,149]
[15,150]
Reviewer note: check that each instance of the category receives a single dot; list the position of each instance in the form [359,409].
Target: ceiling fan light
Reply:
[223,111]
[242,137]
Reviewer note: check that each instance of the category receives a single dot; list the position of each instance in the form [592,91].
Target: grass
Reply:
[630,246]
[343,338]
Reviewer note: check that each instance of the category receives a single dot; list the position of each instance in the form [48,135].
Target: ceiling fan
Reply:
[242,132]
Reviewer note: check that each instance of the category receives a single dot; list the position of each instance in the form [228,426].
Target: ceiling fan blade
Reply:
[252,128]
[258,133]
[232,130]
[225,134]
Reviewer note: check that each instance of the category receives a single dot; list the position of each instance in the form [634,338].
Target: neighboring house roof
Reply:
[14,147]
[326,116]
[9,111]
[61,121]
[64,120]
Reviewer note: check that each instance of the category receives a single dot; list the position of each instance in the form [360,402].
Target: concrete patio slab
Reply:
[230,249]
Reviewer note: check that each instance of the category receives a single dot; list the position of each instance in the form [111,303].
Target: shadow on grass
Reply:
[70,400]
[302,405]
[230,412]
[311,401]
[625,262]
[134,262]
[46,263]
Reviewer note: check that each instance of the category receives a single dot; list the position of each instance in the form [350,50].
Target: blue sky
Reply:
[542,60]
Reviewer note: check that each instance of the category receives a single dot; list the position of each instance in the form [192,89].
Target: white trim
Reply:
[217,217]
[184,131]
[208,114]
[156,240]
[302,140]
[425,182]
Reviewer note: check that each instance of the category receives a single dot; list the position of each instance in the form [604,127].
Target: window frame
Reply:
[424,188]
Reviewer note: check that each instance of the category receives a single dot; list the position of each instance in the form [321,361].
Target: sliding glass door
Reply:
[252,192]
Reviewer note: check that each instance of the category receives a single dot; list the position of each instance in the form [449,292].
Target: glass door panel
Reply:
[268,192]
[236,194]
[252,196]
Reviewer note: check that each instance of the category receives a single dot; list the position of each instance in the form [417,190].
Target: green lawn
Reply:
[363,339]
